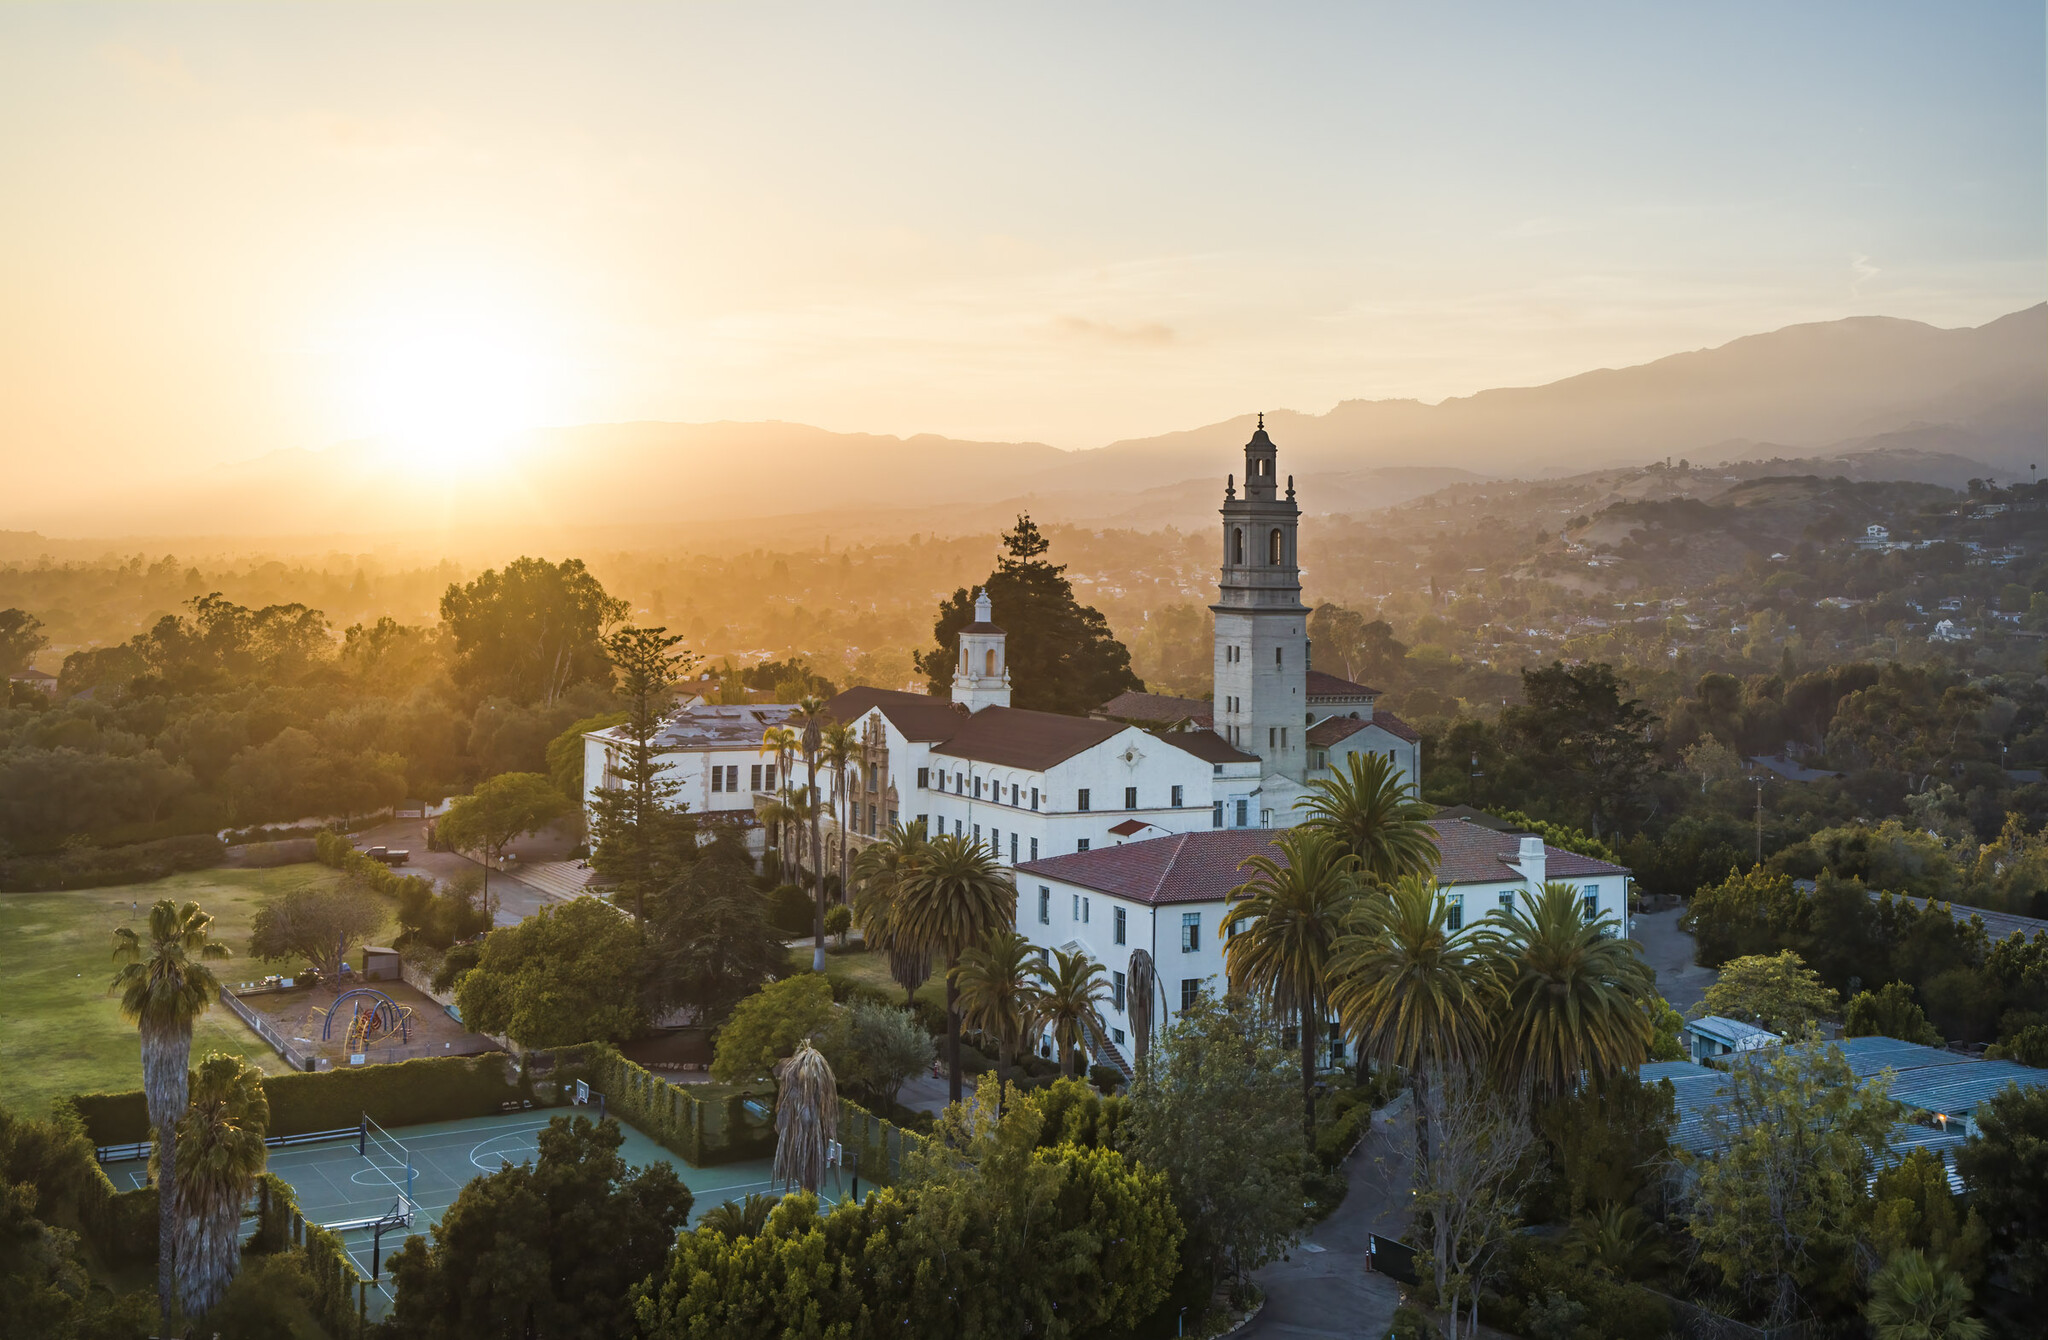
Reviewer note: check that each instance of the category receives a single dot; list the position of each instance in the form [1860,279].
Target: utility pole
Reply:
[1759,780]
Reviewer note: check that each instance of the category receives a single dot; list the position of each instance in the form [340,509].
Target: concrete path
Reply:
[1323,1289]
[1669,951]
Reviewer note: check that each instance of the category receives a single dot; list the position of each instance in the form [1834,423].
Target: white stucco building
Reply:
[1167,897]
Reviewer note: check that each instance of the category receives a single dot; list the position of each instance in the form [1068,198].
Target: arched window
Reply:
[1237,538]
[965,664]
[1273,547]
[989,662]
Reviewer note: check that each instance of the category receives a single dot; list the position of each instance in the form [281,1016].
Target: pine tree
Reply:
[1061,653]
[635,824]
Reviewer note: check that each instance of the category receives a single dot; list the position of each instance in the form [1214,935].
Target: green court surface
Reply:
[336,1185]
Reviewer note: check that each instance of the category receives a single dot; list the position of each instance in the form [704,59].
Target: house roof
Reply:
[1130,826]
[1016,738]
[1472,816]
[714,726]
[1203,866]
[919,716]
[1394,726]
[1159,709]
[1322,685]
[1206,745]
[1736,1033]
[1475,855]
[1182,868]
[1330,730]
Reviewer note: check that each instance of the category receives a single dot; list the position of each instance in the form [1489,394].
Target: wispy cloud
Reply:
[1145,333]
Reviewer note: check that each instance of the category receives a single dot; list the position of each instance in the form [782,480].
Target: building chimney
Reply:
[1530,860]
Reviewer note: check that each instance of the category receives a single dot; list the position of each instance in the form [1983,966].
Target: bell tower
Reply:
[981,677]
[1261,679]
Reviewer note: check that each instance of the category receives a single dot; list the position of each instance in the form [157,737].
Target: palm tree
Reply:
[880,870]
[1071,999]
[1283,931]
[998,994]
[1411,991]
[1377,818]
[947,901]
[164,986]
[810,710]
[841,754]
[806,1117]
[220,1154]
[1914,1298]
[735,1219]
[1576,995]
[781,743]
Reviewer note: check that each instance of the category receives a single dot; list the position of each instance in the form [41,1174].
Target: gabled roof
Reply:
[1013,737]
[1394,726]
[1183,868]
[1206,745]
[1331,730]
[1158,709]
[1202,866]
[1131,826]
[919,716]
[1322,685]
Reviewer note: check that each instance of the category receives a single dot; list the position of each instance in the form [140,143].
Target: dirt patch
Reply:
[301,1016]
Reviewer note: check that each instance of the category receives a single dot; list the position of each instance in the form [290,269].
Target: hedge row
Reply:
[409,1093]
[332,849]
[121,1224]
[96,867]
[707,1125]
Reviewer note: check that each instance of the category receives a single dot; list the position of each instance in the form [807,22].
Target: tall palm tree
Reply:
[1071,999]
[947,901]
[780,743]
[1376,816]
[220,1153]
[1576,995]
[999,993]
[810,710]
[1282,933]
[1409,990]
[165,985]
[879,871]
[806,1117]
[841,754]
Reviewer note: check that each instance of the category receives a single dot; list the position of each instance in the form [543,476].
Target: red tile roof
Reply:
[1130,826]
[919,716]
[1321,685]
[1394,726]
[1159,709]
[1330,730]
[1203,867]
[1206,745]
[1015,738]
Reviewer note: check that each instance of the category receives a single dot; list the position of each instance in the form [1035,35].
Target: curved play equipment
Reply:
[374,1018]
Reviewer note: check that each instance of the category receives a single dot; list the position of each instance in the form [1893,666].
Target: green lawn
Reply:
[870,969]
[61,1032]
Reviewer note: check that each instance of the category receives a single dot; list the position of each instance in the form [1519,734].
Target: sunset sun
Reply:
[451,389]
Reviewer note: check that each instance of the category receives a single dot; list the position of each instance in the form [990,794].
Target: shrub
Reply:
[1107,1078]
[96,867]
[790,910]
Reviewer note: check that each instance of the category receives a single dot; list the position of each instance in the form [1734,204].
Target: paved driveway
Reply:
[1323,1289]
[1669,951]
[516,900]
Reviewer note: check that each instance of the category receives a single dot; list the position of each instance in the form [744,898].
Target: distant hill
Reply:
[1867,398]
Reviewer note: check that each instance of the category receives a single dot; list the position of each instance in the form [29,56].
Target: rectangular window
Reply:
[1276,655]
[755,778]
[1272,736]
[1130,797]
[1082,845]
[1034,849]
[1034,797]
[924,778]
[1176,797]
[732,778]
[1244,813]
[1082,803]
[1044,906]
[1592,900]
[1116,1035]
[873,813]
[717,780]
[1283,737]
[924,821]
[1507,901]
[1121,921]
[1454,917]
[1013,793]
[892,816]
[1116,990]
[1190,932]
[1013,846]
[959,829]
[960,783]
[1084,911]
[977,788]
[1075,915]
[1190,989]
[768,777]
[977,835]
[1216,815]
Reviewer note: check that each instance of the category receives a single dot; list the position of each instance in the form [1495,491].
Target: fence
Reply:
[293,1057]
[879,1142]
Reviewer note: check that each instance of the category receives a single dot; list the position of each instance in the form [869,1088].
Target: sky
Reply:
[229,230]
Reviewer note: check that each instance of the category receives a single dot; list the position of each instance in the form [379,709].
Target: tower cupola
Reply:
[981,677]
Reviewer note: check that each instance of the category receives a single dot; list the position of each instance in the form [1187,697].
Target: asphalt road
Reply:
[1669,951]
[516,900]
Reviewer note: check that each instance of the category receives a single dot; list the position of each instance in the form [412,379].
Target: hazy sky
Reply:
[229,230]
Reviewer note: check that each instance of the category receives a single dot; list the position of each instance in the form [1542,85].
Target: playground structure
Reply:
[375,1017]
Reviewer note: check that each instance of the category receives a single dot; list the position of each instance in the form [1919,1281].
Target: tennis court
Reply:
[338,1186]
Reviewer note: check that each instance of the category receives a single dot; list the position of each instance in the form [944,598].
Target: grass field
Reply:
[61,1031]
[871,969]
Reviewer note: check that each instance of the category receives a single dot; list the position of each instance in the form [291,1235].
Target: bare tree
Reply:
[1468,1188]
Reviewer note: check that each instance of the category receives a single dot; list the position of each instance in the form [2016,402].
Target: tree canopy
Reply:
[567,974]
[531,631]
[1062,655]
[320,923]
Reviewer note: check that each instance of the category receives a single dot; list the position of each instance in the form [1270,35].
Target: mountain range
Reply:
[1869,397]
